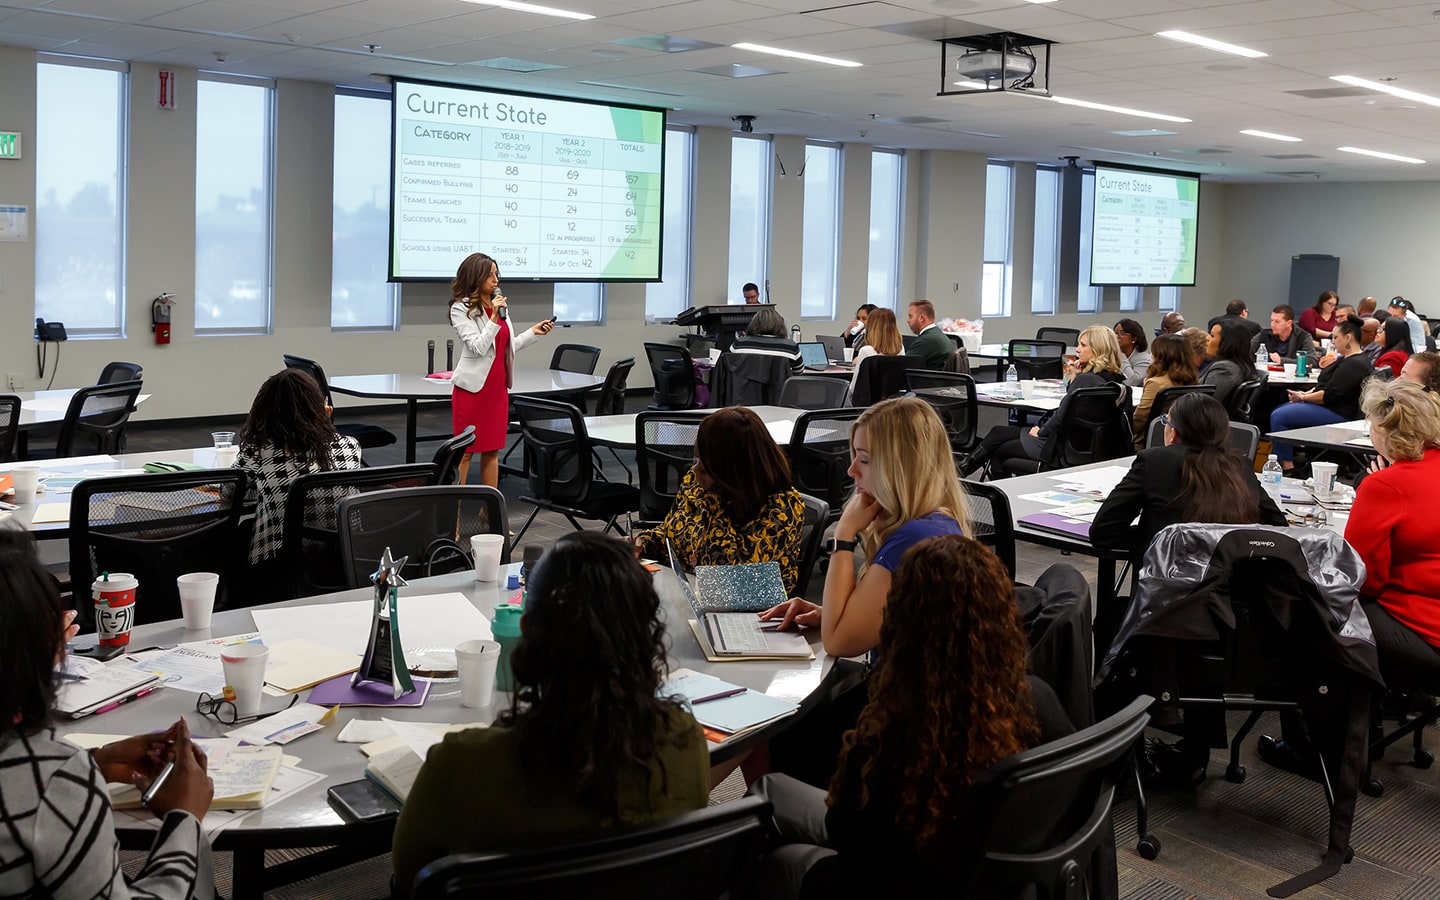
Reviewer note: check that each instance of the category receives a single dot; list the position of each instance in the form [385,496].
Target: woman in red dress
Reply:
[482,379]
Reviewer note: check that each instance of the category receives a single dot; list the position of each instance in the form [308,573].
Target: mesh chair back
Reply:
[674,374]
[580,358]
[1244,439]
[116,372]
[748,379]
[1067,336]
[819,452]
[812,535]
[1093,427]
[959,361]
[814,392]
[157,527]
[447,457]
[700,855]
[95,421]
[664,452]
[953,398]
[1035,359]
[882,377]
[367,436]
[557,450]
[611,399]
[1241,405]
[310,546]
[9,425]
[1166,397]
[311,368]
[990,520]
[430,526]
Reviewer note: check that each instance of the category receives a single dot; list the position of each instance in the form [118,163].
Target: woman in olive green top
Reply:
[587,743]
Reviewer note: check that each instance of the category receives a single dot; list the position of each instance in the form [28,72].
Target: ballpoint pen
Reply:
[116,704]
[719,696]
[158,783]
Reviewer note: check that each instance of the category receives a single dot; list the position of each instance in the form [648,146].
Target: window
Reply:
[995,279]
[820,245]
[360,298]
[579,302]
[1169,299]
[1132,298]
[671,296]
[1045,283]
[234,208]
[1088,295]
[79,227]
[887,195]
[749,214]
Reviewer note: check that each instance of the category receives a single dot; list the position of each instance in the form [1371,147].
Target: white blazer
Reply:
[477,348]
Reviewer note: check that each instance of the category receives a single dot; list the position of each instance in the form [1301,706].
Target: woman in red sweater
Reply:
[1319,319]
[1394,529]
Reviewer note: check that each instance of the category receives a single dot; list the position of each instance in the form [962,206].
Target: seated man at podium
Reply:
[751,292]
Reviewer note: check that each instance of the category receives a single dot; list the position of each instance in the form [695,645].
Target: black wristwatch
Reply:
[834,544]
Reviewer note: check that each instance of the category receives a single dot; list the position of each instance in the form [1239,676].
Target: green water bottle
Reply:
[506,628]
[1302,364]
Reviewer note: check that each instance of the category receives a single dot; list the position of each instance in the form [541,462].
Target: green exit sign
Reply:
[9,145]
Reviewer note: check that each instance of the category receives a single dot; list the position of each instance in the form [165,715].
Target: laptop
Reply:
[812,354]
[834,348]
[739,633]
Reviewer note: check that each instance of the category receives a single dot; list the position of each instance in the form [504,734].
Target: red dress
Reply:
[488,409]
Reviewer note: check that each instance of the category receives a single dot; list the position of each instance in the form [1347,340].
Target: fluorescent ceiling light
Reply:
[1386,89]
[533,8]
[796,54]
[1124,111]
[1268,135]
[1378,155]
[1211,44]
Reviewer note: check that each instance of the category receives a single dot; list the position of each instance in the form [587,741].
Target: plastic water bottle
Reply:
[1012,378]
[1271,476]
[795,333]
[1262,358]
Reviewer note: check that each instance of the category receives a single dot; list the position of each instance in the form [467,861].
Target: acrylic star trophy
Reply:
[384,657]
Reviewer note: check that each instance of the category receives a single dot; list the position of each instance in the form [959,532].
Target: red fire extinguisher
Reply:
[160,318]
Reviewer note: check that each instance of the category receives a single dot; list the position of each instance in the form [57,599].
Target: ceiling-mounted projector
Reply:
[994,63]
[1010,66]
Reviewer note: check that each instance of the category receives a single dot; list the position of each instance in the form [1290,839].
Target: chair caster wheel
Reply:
[1148,847]
[1235,774]
[1372,788]
[1424,759]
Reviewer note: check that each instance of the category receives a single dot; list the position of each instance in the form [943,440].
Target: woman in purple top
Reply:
[906,490]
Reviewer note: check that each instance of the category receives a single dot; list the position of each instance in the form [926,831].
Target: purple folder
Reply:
[1052,523]
[339,692]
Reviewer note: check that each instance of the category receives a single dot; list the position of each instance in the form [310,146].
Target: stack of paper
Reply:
[90,685]
[726,710]
[242,775]
[395,762]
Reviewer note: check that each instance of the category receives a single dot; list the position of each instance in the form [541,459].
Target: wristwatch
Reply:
[834,544]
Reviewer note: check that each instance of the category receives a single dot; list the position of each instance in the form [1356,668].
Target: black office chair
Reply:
[116,372]
[367,436]
[958,361]
[1384,373]
[664,453]
[610,401]
[1070,337]
[94,422]
[558,456]
[1033,359]
[814,392]
[882,377]
[674,373]
[430,527]
[819,452]
[701,855]
[448,455]
[9,425]
[990,520]
[1165,397]
[812,536]
[748,379]
[954,399]
[157,528]
[1241,405]
[310,557]
[580,358]
[1092,424]
[1244,439]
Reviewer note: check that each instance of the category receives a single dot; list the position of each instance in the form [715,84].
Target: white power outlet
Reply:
[15,381]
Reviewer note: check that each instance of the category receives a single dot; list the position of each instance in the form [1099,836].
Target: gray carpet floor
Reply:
[1220,840]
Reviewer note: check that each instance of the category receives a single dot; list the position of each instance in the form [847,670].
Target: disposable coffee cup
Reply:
[197,598]
[223,438]
[475,662]
[486,549]
[245,675]
[1027,388]
[1289,370]
[114,596]
[225,456]
[27,482]
[848,354]
[1323,476]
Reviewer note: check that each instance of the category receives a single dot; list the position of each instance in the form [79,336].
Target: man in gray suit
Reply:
[931,344]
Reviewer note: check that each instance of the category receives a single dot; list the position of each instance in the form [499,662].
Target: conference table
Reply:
[415,388]
[619,430]
[1351,438]
[305,819]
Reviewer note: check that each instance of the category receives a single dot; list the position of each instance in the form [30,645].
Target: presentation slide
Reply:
[1144,228]
[554,189]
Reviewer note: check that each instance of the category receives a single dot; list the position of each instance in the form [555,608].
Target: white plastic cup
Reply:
[486,549]
[223,438]
[197,598]
[1027,388]
[225,456]
[1290,371]
[245,674]
[475,663]
[27,482]
[848,354]
[1323,474]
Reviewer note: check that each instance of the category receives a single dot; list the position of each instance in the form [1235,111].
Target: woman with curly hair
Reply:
[949,698]
[587,743]
[1172,365]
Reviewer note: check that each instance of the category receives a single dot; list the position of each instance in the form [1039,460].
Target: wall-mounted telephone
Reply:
[49,331]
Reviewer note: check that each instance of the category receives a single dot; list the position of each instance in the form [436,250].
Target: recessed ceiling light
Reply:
[1268,135]
[533,8]
[1211,44]
[1378,155]
[796,54]
[1123,110]
[1386,89]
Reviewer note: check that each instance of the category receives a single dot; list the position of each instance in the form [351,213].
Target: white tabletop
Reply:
[44,407]
[46,500]
[405,386]
[1045,393]
[1351,437]
[619,431]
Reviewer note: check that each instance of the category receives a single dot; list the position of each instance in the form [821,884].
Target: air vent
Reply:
[1295,174]
[631,87]
[735,70]
[1292,156]
[666,43]
[1210,150]
[911,120]
[1332,93]
[513,65]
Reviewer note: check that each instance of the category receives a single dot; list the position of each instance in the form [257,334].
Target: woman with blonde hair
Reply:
[905,491]
[1097,362]
[882,338]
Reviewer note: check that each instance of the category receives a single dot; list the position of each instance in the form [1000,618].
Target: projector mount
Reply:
[993,63]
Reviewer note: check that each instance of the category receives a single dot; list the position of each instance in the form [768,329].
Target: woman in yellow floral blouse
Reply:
[737,504]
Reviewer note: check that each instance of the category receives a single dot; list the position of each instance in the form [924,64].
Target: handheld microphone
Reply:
[767,290]
[504,311]
[430,358]
[449,355]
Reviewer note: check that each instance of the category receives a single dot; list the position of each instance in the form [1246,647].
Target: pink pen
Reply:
[124,700]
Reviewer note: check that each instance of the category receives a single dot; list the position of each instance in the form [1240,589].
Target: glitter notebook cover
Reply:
[748,587]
